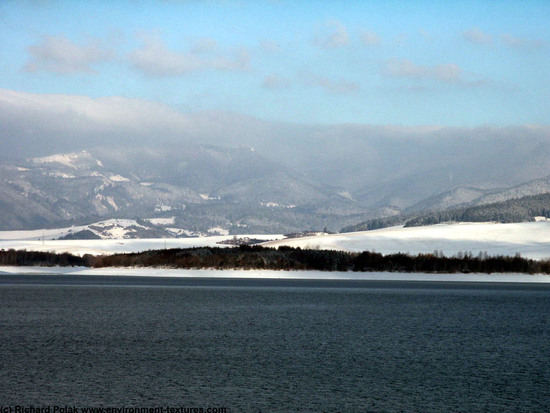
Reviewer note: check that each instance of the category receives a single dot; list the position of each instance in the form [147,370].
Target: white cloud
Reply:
[59,54]
[155,59]
[332,35]
[64,112]
[46,123]
[448,72]
[270,46]
[520,43]
[43,124]
[476,35]
[204,45]
[275,82]
[369,38]
[335,87]
[425,35]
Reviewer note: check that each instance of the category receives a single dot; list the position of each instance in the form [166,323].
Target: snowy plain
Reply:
[530,239]
[115,246]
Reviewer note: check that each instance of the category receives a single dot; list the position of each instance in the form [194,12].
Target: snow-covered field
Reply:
[270,274]
[530,239]
[112,246]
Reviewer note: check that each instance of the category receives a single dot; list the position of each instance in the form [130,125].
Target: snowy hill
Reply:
[115,235]
[530,239]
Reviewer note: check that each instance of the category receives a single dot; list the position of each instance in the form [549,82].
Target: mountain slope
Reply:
[77,187]
[202,187]
[523,209]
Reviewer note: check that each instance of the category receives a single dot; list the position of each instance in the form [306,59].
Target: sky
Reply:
[446,63]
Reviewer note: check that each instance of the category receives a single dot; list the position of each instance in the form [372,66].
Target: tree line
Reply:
[285,258]
[13,257]
[514,210]
[288,258]
[522,209]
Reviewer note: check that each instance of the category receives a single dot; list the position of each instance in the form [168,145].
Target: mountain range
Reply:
[306,178]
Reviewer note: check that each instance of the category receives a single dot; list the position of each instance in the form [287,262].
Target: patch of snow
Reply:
[58,174]
[163,208]
[111,202]
[275,205]
[161,221]
[67,159]
[117,232]
[99,163]
[20,168]
[108,199]
[184,232]
[118,178]
[218,231]
[538,219]
[208,197]
[346,194]
[146,183]
[114,228]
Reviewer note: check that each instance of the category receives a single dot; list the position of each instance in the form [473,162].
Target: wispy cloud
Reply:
[155,59]
[520,43]
[334,87]
[333,34]
[204,45]
[275,82]
[446,73]
[58,54]
[426,35]
[477,36]
[270,46]
[370,38]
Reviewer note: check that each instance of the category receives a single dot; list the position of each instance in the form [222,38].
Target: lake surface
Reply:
[274,345]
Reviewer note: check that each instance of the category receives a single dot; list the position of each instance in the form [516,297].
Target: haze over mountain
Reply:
[318,180]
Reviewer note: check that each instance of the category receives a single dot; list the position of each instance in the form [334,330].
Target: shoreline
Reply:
[276,274]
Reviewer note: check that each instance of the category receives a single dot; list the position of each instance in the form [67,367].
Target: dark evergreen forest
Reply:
[286,258]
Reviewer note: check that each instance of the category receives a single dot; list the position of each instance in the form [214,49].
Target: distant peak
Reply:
[68,159]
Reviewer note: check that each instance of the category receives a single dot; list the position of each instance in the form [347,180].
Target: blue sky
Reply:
[448,63]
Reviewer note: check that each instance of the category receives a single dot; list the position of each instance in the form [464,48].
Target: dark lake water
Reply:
[274,345]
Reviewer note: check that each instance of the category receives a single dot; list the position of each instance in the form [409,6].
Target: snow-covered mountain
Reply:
[77,187]
[275,178]
[201,187]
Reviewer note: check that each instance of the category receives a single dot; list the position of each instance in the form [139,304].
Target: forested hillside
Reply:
[514,210]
